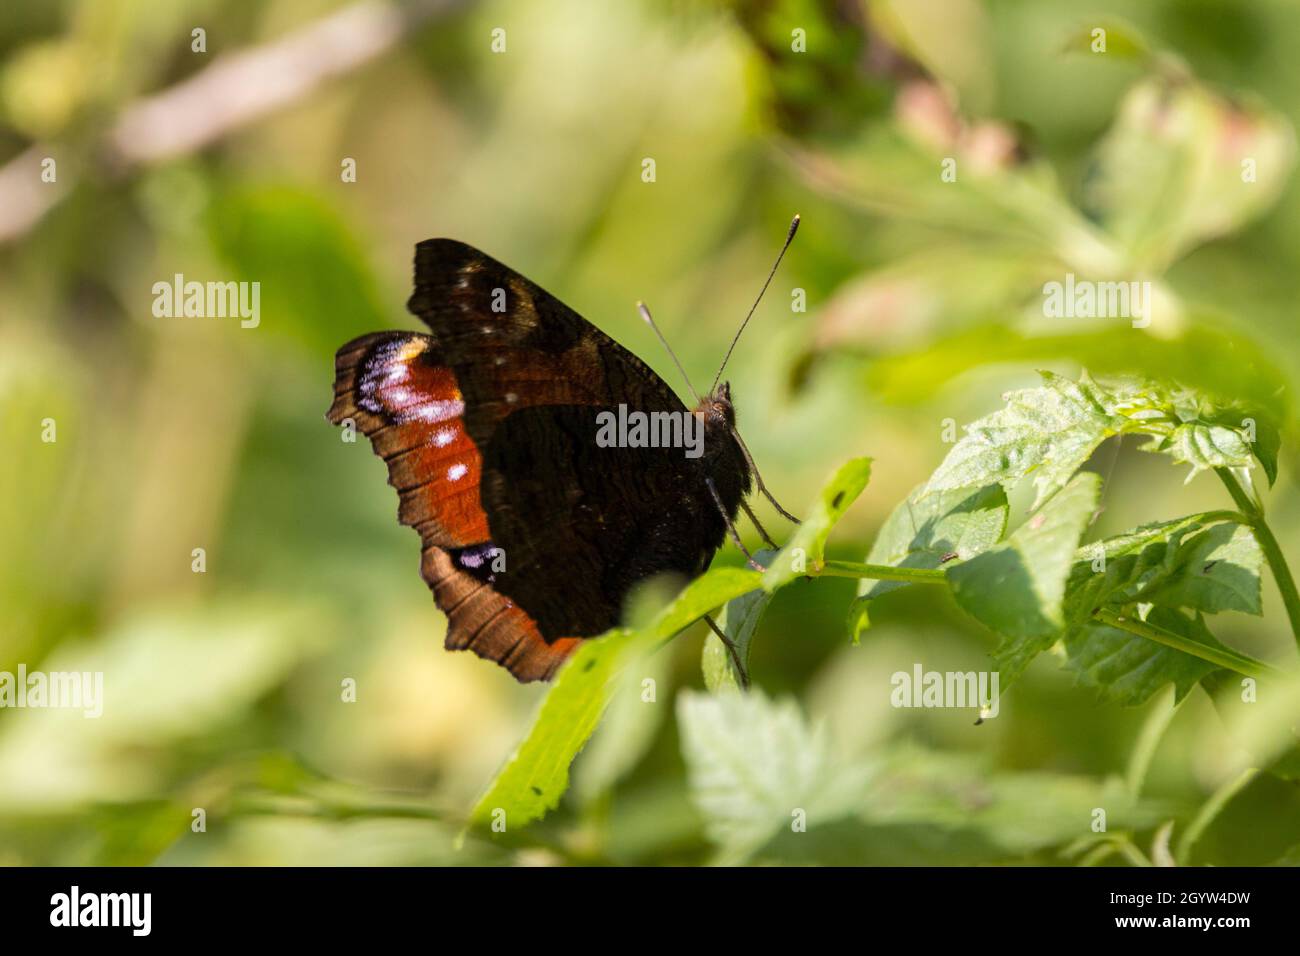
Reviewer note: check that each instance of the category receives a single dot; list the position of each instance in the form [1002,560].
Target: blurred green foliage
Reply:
[924,305]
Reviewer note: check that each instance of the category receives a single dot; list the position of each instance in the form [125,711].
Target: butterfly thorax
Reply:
[723,460]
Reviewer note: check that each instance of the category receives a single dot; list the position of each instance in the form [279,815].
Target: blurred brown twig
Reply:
[235,90]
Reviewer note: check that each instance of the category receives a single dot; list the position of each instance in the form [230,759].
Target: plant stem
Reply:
[1215,655]
[1153,730]
[1209,810]
[881,572]
[1223,657]
[1268,544]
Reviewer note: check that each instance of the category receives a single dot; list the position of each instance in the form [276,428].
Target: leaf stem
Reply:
[881,572]
[1215,655]
[1269,545]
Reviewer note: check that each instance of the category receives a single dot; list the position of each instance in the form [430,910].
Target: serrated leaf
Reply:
[1198,561]
[1204,446]
[1046,432]
[927,807]
[1017,588]
[1128,669]
[752,763]
[537,774]
[739,621]
[805,550]
[1217,569]
[933,530]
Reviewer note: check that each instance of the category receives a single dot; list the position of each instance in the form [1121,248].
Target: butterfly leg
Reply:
[735,535]
[754,518]
[730,645]
[758,479]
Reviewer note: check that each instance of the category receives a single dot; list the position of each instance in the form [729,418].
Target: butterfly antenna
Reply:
[649,320]
[789,238]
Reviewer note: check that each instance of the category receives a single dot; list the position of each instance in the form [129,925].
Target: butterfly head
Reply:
[717,407]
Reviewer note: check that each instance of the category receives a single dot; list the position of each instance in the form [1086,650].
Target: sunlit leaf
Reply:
[804,552]
[754,764]
[1017,587]
[537,774]
[1198,562]
[934,530]
[1046,432]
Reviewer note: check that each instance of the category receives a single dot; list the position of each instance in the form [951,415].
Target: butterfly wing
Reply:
[394,387]
[533,534]
[579,524]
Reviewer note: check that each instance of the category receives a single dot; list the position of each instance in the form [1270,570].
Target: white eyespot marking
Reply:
[439,411]
[444,437]
[499,360]
[457,471]
[511,398]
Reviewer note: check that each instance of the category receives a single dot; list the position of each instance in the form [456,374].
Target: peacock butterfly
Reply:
[534,531]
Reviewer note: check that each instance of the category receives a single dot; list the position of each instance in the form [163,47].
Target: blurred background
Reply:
[906,304]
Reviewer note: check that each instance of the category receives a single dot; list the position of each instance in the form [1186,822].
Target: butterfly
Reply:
[534,532]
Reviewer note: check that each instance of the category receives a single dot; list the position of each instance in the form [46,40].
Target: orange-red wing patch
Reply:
[391,385]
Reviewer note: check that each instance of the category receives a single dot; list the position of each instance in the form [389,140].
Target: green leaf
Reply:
[1017,587]
[1011,813]
[932,530]
[752,764]
[739,621]
[1266,444]
[805,550]
[1128,669]
[1217,569]
[1204,446]
[859,618]
[755,769]
[1200,561]
[1048,432]
[628,729]
[912,806]
[537,774]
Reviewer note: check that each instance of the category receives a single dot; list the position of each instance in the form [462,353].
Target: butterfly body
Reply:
[533,531]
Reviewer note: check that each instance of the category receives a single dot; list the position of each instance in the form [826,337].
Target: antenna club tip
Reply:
[794,227]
